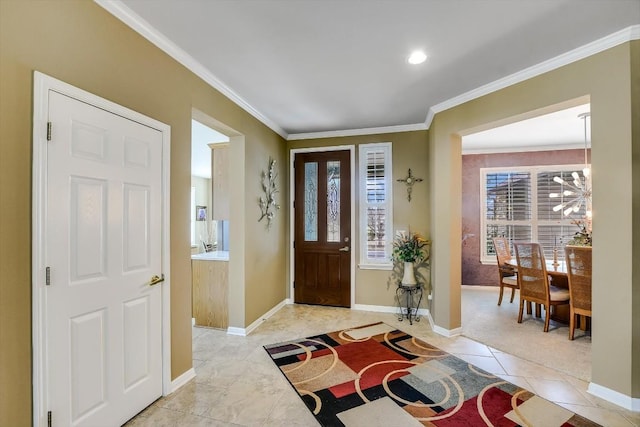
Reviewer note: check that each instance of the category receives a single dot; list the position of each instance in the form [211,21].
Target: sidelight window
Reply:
[376,203]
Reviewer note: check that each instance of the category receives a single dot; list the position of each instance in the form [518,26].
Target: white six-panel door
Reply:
[103,239]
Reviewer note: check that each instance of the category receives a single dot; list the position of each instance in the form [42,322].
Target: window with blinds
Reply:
[516,205]
[376,204]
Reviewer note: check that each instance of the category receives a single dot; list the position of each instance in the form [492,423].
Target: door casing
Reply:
[354,235]
[42,85]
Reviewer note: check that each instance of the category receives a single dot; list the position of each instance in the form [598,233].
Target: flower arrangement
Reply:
[583,235]
[408,247]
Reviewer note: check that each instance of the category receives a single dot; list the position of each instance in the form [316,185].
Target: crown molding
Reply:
[524,148]
[597,46]
[135,22]
[357,132]
[146,30]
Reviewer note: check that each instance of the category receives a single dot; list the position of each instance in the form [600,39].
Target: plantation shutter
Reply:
[507,206]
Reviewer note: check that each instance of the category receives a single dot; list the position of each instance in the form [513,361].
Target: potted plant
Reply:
[582,237]
[408,248]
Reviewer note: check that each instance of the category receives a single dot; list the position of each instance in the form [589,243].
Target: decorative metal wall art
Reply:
[409,180]
[268,205]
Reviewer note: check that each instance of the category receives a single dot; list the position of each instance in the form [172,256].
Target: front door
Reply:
[103,244]
[323,242]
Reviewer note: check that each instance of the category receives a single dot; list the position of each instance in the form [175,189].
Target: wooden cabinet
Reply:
[210,293]
[220,181]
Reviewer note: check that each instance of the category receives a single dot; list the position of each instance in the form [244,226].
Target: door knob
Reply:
[345,249]
[156,279]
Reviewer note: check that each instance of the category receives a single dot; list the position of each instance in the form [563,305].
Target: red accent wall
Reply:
[473,272]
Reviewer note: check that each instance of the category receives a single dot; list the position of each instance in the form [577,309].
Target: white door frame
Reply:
[41,87]
[355,234]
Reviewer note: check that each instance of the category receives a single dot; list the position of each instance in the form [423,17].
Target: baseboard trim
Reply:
[236,331]
[447,332]
[389,309]
[246,331]
[615,397]
[182,380]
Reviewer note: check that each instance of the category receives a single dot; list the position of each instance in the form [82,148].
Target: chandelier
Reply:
[578,192]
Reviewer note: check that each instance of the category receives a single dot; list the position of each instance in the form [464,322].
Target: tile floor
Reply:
[237,384]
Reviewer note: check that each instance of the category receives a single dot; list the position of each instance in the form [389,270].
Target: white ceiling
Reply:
[310,66]
[563,129]
[201,137]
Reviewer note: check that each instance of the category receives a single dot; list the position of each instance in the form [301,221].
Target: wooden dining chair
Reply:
[534,281]
[579,273]
[506,273]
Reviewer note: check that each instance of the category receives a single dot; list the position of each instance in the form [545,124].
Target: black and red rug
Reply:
[375,375]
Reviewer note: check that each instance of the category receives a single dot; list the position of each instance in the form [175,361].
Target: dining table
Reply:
[557,271]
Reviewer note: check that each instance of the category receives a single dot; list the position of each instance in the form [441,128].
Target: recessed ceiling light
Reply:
[417,57]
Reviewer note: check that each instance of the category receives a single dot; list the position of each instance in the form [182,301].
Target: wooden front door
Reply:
[323,228]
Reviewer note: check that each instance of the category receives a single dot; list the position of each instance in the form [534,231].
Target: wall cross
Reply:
[409,181]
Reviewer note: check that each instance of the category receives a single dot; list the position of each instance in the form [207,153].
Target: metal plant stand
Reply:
[409,293]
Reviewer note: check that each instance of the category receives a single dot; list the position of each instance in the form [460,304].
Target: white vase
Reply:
[409,277]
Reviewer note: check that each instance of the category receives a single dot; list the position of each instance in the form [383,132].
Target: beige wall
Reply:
[607,79]
[409,150]
[635,161]
[266,248]
[80,43]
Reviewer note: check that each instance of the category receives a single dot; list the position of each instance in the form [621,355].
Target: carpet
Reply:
[376,375]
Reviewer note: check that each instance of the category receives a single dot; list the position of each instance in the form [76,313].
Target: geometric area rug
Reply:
[376,375]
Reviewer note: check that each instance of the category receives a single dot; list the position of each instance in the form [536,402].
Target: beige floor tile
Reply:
[633,417]
[487,363]
[483,320]
[601,416]
[462,345]
[162,417]
[519,381]
[244,404]
[290,411]
[193,398]
[238,385]
[558,391]
[522,368]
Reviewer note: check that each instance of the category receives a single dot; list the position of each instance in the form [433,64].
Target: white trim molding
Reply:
[354,234]
[392,309]
[118,9]
[243,332]
[615,397]
[597,46]
[232,330]
[447,332]
[357,132]
[181,380]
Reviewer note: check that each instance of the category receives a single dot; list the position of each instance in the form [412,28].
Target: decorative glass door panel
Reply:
[333,201]
[311,202]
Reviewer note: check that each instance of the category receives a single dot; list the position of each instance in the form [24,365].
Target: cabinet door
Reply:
[210,293]
[220,182]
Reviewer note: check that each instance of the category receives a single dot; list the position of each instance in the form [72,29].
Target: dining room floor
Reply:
[237,384]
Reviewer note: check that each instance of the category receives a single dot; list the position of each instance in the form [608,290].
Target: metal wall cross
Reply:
[410,180]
